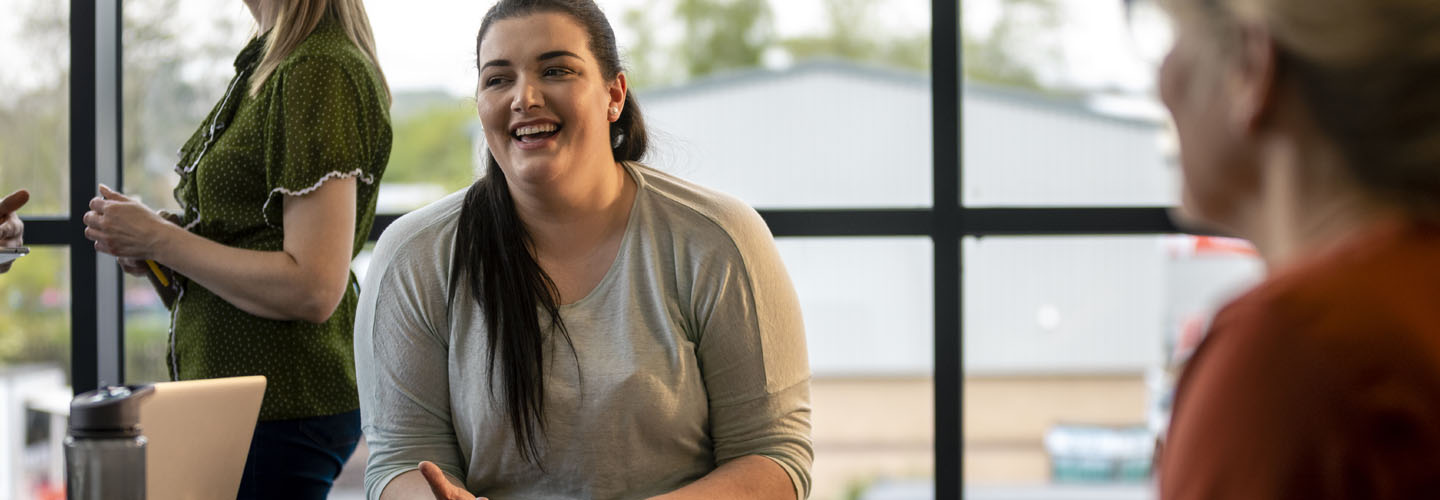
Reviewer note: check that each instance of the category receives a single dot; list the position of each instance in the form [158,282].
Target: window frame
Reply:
[97,335]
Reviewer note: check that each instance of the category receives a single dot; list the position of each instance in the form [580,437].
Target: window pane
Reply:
[35,103]
[147,333]
[758,99]
[34,370]
[1070,345]
[1058,108]
[869,316]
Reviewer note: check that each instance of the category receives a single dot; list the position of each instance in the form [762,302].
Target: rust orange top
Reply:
[1321,383]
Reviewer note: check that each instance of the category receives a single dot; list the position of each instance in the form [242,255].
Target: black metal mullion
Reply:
[1066,221]
[819,222]
[949,223]
[96,345]
[84,372]
[42,231]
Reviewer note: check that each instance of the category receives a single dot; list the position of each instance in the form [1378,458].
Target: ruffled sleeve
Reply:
[326,123]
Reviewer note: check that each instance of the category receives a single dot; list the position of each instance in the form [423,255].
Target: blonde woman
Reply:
[277,189]
[1312,128]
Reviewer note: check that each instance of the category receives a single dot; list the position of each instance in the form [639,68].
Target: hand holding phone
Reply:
[12,230]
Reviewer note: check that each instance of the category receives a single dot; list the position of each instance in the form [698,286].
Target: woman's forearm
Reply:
[271,285]
[749,477]
[304,281]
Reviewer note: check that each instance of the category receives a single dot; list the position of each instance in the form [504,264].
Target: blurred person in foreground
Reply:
[277,193]
[12,229]
[577,324]
[1312,128]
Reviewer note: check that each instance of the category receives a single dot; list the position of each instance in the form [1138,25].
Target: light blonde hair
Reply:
[1368,72]
[297,18]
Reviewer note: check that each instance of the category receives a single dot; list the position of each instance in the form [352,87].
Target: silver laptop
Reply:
[198,435]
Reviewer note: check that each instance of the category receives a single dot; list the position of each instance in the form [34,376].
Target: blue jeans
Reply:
[299,458]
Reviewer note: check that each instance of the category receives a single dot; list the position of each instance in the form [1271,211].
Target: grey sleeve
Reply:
[401,368]
[751,352]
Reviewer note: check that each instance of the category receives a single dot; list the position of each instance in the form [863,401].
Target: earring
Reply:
[614,111]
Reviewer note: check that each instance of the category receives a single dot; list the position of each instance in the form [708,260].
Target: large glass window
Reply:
[754,73]
[807,104]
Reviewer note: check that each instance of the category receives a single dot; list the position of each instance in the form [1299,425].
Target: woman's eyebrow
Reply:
[548,55]
[557,53]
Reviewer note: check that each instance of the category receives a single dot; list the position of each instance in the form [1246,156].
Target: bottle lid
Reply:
[108,412]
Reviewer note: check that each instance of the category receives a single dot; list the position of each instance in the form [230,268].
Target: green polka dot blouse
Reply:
[323,114]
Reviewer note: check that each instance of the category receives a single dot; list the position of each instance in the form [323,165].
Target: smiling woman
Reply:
[577,324]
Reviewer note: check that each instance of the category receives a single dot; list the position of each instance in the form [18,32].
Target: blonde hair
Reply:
[297,18]
[1368,72]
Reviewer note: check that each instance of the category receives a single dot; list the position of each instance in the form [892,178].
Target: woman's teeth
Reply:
[535,129]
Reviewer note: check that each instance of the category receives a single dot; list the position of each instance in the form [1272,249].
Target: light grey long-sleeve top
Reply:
[691,353]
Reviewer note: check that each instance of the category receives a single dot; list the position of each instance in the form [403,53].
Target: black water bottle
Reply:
[105,451]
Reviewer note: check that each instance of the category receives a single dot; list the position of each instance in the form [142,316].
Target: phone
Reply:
[8,254]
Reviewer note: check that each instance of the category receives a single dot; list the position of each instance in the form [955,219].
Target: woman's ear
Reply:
[618,88]
[1255,79]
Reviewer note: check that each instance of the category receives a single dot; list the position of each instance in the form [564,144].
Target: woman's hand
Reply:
[442,488]
[12,230]
[133,267]
[124,227]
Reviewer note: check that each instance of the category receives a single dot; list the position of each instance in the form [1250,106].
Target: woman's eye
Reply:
[557,72]
[494,80]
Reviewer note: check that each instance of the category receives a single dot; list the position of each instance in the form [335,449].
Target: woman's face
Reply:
[1216,172]
[543,101]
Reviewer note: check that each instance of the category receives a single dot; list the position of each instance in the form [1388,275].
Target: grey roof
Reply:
[919,80]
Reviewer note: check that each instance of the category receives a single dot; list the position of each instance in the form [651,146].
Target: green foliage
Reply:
[1018,43]
[35,116]
[724,34]
[34,309]
[851,37]
[432,145]
[735,34]
[147,340]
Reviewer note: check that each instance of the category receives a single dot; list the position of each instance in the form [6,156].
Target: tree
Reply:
[724,34]
[719,35]
[1021,40]
[734,34]
[852,37]
[433,145]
